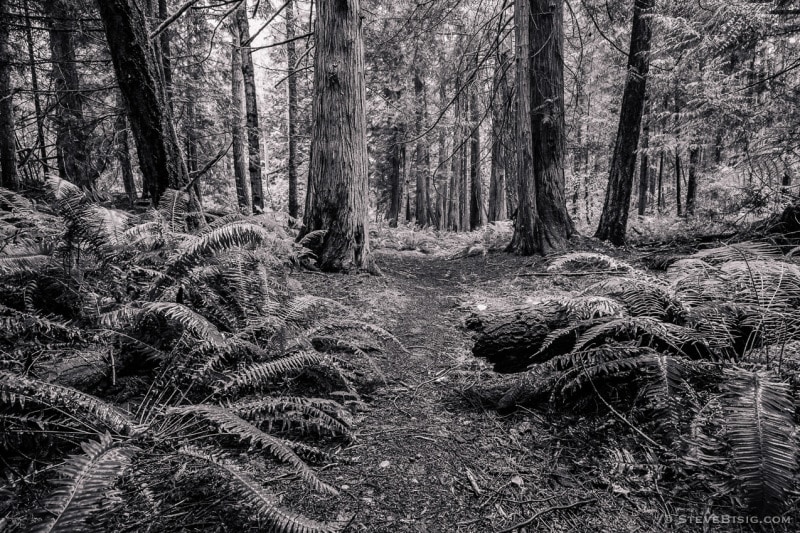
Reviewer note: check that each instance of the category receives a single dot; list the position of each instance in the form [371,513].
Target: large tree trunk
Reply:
[396,164]
[239,128]
[476,217]
[160,158]
[291,78]
[338,185]
[422,155]
[253,129]
[8,152]
[614,220]
[542,224]
[72,147]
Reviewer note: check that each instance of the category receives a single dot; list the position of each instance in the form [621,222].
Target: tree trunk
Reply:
[614,220]
[678,182]
[661,182]
[253,129]
[37,104]
[644,170]
[8,152]
[72,147]
[476,217]
[338,172]
[291,78]
[165,55]
[160,158]
[454,190]
[500,122]
[239,127]
[123,152]
[691,184]
[396,162]
[422,155]
[542,224]
[464,188]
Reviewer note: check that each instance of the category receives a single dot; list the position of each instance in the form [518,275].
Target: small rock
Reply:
[385,464]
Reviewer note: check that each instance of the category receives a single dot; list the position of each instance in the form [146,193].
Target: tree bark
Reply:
[165,56]
[678,193]
[239,127]
[338,171]
[123,152]
[644,170]
[72,147]
[291,78]
[691,184]
[614,220]
[542,223]
[422,155]
[476,217]
[500,125]
[8,152]
[508,338]
[454,190]
[253,129]
[37,104]
[160,159]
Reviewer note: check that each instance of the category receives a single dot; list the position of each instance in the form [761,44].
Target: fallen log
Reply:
[508,338]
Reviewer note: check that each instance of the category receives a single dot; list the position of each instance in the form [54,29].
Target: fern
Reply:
[259,374]
[253,495]
[588,261]
[85,485]
[231,424]
[19,389]
[762,434]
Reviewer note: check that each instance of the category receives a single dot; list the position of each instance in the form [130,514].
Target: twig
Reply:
[545,511]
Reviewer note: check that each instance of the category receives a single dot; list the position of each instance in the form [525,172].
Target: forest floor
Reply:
[431,455]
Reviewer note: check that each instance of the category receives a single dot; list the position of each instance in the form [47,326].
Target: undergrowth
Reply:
[177,362]
[703,364]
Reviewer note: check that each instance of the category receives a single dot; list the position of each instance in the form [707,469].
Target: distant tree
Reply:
[542,223]
[73,152]
[251,104]
[614,219]
[337,193]
[291,78]
[239,127]
[8,151]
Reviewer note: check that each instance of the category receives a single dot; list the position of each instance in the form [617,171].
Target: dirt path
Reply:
[429,457]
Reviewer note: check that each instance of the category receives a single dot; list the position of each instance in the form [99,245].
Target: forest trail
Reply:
[429,457]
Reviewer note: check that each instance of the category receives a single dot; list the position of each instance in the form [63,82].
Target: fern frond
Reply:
[19,389]
[741,251]
[588,261]
[762,434]
[325,415]
[231,424]
[264,503]
[86,484]
[259,374]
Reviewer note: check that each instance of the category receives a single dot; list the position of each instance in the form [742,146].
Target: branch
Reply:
[196,175]
[545,511]
[172,18]
[279,43]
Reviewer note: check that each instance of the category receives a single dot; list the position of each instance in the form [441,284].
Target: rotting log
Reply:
[509,338]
